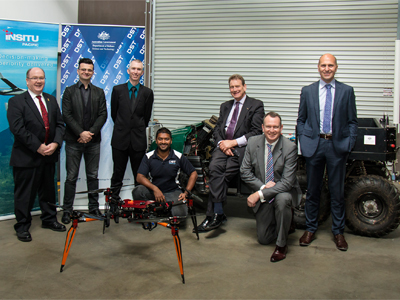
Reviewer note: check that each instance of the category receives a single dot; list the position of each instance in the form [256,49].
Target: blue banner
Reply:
[111,48]
[23,45]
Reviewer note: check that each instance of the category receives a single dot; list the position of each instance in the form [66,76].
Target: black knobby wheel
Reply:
[324,205]
[372,206]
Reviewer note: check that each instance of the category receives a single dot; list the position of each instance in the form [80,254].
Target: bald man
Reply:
[327,130]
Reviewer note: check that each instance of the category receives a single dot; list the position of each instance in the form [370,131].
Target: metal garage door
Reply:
[275,45]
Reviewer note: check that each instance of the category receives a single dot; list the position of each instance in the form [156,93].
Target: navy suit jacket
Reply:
[344,119]
[130,122]
[27,126]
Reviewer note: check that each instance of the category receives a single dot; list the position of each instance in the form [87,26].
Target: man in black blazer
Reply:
[84,112]
[239,119]
[131,106]
[36,123]
[327,130]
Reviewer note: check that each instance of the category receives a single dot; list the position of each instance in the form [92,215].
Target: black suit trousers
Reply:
[30,182]
[120,159]
[223,169]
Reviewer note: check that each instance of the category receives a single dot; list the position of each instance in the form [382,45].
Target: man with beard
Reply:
[163,165]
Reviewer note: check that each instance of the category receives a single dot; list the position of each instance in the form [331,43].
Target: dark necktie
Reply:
[232,124]
[269,171]
[326,126]
[133,98]
[45,117]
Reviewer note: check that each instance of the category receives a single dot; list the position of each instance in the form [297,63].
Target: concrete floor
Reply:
[128,262]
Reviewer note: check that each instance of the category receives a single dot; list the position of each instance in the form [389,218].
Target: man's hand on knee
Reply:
[158,195]
[253,199]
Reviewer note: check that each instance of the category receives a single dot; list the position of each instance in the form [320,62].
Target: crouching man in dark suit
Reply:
[269,168]
[36,123]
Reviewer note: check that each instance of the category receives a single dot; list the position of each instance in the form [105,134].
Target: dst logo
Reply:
[20,37]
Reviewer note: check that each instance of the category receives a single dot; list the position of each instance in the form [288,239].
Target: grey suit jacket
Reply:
[72,111]
[252,170]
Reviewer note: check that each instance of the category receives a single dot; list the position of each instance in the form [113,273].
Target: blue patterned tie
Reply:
[269,172]
[326,127]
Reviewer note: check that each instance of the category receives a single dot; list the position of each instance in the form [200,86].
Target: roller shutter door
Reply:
[275,45]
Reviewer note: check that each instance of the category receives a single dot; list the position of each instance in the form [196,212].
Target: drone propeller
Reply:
[92,216]
[98,191]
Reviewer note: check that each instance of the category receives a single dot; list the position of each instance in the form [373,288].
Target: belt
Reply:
[325,136]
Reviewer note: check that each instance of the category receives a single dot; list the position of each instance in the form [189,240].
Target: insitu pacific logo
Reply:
[25,38]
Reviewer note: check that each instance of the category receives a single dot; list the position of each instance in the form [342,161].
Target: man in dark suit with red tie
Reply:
[36,123]
[131,106]
[239,119]
[327,130]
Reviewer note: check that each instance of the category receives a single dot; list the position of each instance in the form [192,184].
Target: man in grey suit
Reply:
[269,168]
[84,112]
[327,130]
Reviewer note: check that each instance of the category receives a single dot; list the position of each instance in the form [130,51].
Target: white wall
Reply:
[52,11]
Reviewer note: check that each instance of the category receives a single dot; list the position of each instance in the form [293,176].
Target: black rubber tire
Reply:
[372,206]
[324,205]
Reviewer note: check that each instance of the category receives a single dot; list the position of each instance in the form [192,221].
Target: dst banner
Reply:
[111,48]
[23,45]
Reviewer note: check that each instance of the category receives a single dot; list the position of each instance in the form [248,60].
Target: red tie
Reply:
[45,117]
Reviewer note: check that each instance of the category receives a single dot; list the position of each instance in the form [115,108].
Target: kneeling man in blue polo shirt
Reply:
[163,165]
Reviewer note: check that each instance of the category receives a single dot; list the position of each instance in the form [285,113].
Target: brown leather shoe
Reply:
[279,253]
[307,238]
[340,242]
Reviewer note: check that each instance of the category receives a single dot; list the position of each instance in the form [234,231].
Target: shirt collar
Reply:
[273,144]
[80,84]
[33,95]
[241,100]
[323,83]
[130,85]
[171,152]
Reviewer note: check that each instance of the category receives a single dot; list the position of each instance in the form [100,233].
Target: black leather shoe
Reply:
[202,226]
[24,236]
[217,221]
[66,218]
[95,212]
[54,226]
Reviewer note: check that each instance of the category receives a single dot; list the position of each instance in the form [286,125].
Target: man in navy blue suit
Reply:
[327,130]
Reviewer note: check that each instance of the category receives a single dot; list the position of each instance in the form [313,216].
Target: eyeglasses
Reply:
[86,70]
[37,78]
